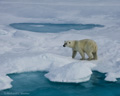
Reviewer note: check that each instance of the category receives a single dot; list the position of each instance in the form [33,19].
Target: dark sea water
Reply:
[52,28]
[35,84]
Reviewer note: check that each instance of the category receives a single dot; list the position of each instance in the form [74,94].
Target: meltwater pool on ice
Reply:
[52,28]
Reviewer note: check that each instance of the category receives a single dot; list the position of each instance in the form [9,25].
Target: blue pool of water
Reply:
[52,28]
[35,84]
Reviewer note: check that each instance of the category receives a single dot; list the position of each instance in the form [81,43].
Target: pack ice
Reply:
[23,51]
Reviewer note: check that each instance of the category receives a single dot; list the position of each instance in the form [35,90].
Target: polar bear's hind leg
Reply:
[90,55]
[82,55]
[95,56]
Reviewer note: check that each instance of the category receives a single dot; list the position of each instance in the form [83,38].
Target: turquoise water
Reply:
[35,84]
[52,28]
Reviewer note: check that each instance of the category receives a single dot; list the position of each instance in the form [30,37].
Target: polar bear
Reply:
[83,46]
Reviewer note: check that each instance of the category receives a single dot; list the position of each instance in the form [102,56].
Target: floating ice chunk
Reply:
[73,72]
[112,76]
[5,82]
[37,25]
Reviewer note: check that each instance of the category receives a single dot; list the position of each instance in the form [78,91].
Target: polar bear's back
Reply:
[88,45]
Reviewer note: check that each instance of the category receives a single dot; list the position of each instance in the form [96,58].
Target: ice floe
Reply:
[22,51]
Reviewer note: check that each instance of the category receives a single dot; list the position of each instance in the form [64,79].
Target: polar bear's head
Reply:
[69,44]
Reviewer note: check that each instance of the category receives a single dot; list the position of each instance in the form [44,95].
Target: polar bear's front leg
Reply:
[74,53]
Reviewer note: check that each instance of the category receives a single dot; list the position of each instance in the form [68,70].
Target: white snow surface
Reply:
[24,51]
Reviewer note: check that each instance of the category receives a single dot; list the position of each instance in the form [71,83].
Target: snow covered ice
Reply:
[73,72]
[22,51]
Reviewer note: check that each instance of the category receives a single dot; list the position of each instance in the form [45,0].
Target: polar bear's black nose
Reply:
[64,44]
